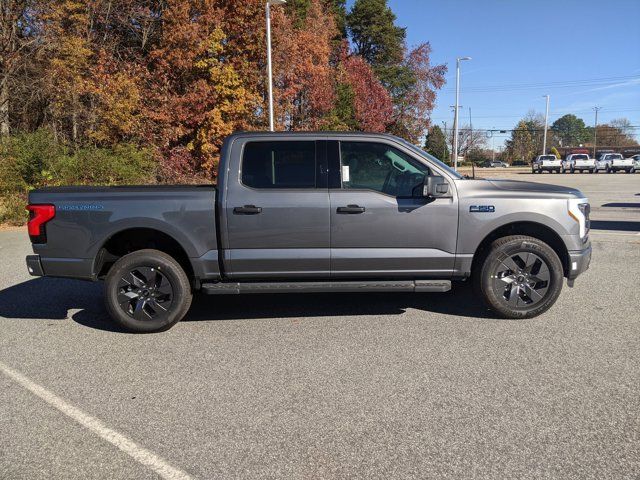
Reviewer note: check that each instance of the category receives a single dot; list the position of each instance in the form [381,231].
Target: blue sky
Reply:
[582,53]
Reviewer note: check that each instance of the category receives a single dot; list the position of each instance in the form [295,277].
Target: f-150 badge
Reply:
[482,208]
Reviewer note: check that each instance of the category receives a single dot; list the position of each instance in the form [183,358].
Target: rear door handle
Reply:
[247,210]
[351,209]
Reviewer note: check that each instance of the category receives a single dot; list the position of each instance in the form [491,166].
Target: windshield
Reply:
[430,157]
[615,156]
[580,157]
[548,157]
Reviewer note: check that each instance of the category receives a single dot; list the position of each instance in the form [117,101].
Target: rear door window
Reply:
[279,164]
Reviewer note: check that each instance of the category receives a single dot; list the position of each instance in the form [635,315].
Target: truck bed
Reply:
[89,221]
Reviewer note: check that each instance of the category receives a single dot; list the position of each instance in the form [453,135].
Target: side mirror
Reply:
[435,186]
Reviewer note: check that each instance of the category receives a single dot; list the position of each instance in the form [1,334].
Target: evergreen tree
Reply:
[381,43]
[570,130]
[436,144]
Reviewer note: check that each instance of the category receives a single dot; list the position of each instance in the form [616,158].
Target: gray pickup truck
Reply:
[313,212]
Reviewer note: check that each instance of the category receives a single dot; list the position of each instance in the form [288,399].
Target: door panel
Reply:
[396,237]
[388,229]
[278,229]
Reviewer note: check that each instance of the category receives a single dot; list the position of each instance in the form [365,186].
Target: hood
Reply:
[518,189]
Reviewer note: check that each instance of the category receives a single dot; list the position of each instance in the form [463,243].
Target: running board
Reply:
[236,288]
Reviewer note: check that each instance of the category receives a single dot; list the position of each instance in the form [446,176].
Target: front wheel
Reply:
[147,291]
[519,277]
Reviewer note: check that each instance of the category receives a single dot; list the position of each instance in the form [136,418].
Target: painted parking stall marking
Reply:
[138,453]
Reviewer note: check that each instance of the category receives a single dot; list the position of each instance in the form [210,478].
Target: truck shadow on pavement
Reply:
[59,299]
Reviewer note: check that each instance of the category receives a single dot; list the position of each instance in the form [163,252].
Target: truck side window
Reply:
[382,168]
[286,164]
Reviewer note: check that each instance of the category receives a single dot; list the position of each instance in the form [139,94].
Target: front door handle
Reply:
[351,209]
[247,210]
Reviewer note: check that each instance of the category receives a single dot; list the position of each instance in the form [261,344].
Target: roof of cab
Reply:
[312,134]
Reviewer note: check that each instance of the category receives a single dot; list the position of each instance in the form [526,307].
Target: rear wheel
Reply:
[519,277]
[147,291]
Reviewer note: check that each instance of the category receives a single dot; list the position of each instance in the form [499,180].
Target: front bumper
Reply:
[579,262]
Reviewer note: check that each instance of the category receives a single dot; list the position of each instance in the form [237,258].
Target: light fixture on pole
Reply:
[546,123]
[269,69]
[455,116]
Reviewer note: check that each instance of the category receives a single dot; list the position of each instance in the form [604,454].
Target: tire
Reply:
[498,285]
[147,291]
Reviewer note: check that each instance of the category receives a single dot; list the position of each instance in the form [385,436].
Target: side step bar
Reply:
[313,287]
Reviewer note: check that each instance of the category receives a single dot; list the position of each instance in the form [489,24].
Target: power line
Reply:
[560,84]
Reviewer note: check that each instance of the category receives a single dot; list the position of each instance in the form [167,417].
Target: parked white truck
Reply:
[578,162]
[546,163]
[612,162]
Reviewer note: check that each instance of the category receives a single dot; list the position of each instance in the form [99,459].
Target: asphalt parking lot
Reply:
[331,386]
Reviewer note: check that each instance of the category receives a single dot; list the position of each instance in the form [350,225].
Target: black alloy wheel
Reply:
[519,276]
[147,291]
[144,293]
[521,279]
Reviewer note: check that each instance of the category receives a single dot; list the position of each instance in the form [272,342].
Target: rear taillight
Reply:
[39,215]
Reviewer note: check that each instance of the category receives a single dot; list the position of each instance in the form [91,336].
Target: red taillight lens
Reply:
[38,216]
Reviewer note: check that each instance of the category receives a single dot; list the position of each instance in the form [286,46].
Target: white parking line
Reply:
[140,454]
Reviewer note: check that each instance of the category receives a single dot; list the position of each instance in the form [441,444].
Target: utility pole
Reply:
[446,140]
[455,118]
[493,138]
[453,109]
[470,130]
[595,131]
[546,123]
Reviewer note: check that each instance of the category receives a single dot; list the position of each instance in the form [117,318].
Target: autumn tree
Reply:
[379,41]
[408,76]
[521,145]
[17,39]
[616,133]
[303,78]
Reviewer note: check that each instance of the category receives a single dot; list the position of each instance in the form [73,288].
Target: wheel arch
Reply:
[131,239]
[529,228]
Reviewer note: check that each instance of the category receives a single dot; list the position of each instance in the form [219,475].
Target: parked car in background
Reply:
[546,163]
[578,162]
[636,163]
[612,162]
[498,164]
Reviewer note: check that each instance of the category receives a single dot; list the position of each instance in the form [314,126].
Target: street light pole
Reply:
[595,131]
[269,68]
[546,123]
[455,116]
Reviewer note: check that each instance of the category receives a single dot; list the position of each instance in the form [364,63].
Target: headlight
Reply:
[579,210]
